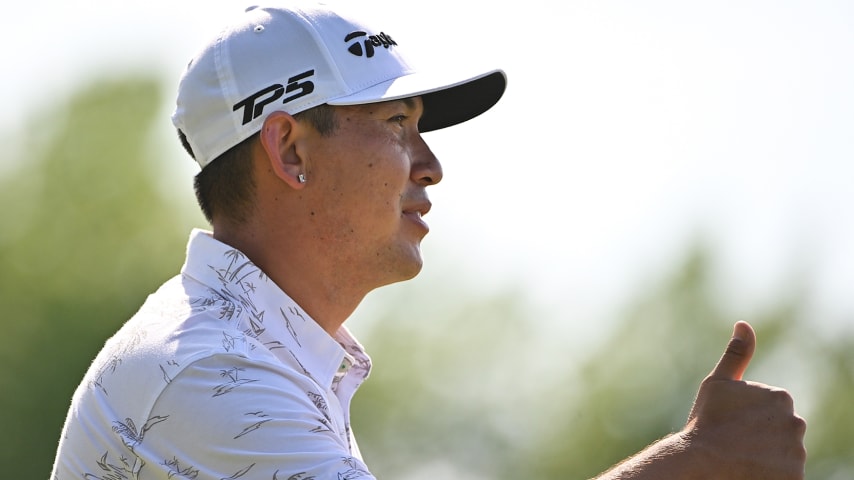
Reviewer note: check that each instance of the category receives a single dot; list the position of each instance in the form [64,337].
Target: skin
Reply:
[355,225]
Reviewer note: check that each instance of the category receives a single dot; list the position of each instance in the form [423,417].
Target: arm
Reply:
[736,430]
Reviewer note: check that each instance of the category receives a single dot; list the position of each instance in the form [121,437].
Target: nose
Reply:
[426,169]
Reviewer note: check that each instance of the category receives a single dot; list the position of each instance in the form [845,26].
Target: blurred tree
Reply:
[448,378]
[830,435]
[476,384]
[640,383]
[465,387]
[85,236]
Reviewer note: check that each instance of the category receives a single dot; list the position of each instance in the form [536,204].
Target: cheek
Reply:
[364,205]
[381,201]
[383,182]
[368,182]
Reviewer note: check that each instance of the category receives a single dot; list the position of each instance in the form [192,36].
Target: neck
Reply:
[325,295]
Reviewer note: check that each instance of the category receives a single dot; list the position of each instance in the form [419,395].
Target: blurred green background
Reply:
[467,383]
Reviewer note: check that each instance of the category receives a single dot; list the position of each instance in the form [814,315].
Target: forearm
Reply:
[670,457]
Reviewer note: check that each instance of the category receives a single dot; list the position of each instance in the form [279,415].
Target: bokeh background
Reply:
[656,171]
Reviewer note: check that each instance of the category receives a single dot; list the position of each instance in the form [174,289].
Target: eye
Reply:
[398,119]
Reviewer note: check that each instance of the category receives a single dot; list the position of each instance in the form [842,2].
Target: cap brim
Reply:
[446,102]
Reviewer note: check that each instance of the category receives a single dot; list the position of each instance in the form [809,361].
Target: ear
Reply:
[280,137]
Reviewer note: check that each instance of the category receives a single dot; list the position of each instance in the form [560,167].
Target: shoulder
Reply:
[178,325]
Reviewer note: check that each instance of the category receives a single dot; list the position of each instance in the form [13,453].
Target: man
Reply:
[307,126]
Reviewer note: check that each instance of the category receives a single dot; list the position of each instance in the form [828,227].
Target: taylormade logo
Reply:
[370,42]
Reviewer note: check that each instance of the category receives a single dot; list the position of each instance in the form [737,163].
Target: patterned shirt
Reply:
[220,375]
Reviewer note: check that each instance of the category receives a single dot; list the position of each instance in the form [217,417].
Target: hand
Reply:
[745,430]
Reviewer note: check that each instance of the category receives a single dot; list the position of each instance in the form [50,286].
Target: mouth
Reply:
[419,206]
[416,212]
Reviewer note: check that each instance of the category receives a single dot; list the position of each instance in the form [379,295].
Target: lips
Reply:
[417,210]
[421,209]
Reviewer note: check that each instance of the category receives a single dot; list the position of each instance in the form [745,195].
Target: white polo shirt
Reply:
[220,375]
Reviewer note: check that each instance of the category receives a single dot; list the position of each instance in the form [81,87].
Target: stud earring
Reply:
[301,178]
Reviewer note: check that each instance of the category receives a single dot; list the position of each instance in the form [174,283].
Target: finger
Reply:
[739,351]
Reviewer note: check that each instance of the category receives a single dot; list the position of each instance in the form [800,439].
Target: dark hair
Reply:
[226,186]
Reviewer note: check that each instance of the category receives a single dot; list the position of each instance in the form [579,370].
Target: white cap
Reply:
[290,59]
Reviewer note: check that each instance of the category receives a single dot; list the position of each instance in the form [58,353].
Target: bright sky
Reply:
[628,129]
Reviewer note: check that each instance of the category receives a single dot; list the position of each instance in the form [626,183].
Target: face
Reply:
[368,186]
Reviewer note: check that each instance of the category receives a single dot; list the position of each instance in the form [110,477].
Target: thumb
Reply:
[739,351]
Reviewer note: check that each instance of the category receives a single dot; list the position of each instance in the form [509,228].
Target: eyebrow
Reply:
[408,102]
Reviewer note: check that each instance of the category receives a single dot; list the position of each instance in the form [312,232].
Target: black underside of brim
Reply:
[463,102]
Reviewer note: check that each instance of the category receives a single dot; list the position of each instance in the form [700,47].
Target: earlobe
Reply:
[280,136]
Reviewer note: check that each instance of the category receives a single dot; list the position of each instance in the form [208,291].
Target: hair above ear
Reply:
[225,188]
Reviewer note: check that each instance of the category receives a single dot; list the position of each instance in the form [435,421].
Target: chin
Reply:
[415,271]
[399,263]
[408,270]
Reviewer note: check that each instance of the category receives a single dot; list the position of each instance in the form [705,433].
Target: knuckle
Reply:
[801,454]
[783,399]
[799,424]
[737,348]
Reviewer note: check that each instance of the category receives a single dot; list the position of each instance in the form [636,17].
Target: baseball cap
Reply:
[294,56]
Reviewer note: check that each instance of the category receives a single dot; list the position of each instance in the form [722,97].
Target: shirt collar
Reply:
[269,314]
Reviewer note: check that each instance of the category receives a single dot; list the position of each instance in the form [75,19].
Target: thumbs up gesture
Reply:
[746,430]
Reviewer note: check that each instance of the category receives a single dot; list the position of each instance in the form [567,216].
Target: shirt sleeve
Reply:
[228,417]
